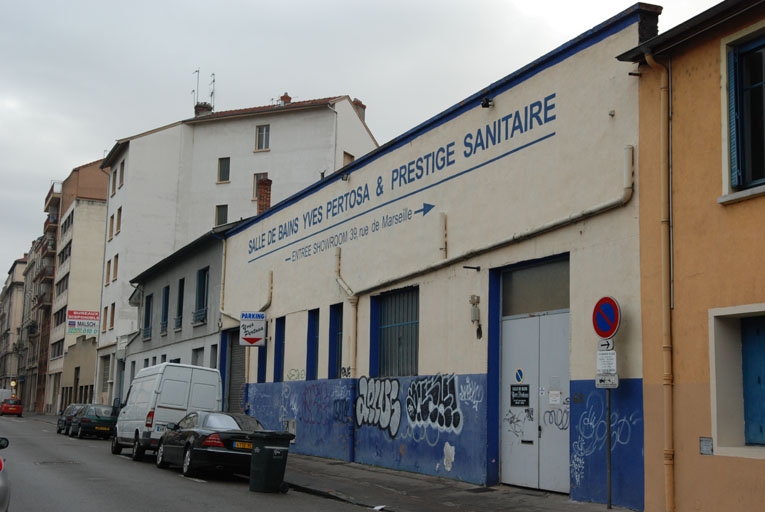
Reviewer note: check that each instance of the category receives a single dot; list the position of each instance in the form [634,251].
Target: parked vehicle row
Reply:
[83,420]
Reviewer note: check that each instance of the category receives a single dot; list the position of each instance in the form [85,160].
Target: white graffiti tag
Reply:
[471,393]
[378,404]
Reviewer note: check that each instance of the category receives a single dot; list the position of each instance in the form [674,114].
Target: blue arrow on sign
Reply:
[425,209]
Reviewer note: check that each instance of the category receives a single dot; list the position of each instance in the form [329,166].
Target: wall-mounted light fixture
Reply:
[346,177]
[487,102]
[470,267]
[475,315]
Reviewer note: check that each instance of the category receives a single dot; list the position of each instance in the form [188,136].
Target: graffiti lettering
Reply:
[471,393]
[432,401]
[557,417]
[378,404]
[345,372]
[296,374]
[515,423]
[316,404]
[591,430]
[340,410]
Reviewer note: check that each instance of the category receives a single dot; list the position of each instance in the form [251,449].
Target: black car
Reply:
[204,441]
[64,421]
[94,420]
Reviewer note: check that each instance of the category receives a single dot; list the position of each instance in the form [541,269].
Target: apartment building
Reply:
[170,185]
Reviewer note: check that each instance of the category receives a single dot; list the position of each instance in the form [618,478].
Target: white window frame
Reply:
[726,381]
[729,194]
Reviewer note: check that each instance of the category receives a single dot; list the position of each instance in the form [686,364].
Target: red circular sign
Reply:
[606,317]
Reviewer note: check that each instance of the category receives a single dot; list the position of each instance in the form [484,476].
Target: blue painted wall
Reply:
[588,443]
[322,410]
[434,425]
[437,425]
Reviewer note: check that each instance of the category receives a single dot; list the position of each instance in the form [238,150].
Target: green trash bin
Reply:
[269,460]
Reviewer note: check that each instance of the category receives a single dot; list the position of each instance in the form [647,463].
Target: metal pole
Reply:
[608,448]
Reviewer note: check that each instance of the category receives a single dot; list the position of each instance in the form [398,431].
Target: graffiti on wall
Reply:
[433,402]
[591,433]
[295,374]
[558,417]
[378,404]
[516,422]
[471,393]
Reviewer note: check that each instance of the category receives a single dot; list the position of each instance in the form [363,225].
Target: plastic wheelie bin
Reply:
[269,460]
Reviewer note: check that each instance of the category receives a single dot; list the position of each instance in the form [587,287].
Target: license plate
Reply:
[102,428]
[243,445]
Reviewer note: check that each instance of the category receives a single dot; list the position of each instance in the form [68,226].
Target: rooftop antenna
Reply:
[196,91]
[212,90]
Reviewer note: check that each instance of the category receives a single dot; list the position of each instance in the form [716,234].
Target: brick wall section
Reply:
[264,195]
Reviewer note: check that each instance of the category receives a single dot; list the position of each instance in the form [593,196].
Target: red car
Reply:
[11,406]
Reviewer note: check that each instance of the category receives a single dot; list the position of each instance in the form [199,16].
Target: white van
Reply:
[159,395]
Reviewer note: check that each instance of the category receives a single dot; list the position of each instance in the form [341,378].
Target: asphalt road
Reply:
[53,473]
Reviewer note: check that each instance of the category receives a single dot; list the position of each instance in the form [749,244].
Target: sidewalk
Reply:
[399,491]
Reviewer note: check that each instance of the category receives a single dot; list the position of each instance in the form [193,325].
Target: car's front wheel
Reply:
[161,462]
[116,446]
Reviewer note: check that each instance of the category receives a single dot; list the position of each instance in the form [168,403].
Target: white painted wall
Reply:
[570,164]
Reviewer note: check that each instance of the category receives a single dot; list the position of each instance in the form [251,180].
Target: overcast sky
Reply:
[77,75]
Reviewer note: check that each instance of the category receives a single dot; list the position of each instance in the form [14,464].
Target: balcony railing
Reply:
[51,223]
[146,333]
[44,273]
[178,322]
[163,327]
[199,316]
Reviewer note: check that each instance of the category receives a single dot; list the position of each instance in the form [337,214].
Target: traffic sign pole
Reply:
[606,317]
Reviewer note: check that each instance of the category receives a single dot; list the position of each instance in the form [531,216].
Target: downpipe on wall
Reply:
[353,300]
[666,288]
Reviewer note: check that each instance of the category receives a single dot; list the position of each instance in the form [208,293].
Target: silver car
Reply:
[5,486]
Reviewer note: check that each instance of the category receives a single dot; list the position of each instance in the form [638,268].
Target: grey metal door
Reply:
[535,401]
[236,373]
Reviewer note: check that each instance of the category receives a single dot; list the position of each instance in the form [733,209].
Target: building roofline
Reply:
[707,20]
[645,14]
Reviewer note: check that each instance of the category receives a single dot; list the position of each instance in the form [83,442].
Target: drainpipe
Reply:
[666,305]
[353,300]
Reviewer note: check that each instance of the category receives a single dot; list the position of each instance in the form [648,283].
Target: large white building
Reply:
[170,185]
[430,307]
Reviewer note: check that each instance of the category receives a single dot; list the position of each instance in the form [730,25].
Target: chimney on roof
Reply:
[360,108]
[263,188]
[285,99]
[202,109]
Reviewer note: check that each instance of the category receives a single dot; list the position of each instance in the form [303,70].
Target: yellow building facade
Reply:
[702,190]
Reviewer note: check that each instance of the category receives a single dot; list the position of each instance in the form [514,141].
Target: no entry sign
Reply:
[606,317]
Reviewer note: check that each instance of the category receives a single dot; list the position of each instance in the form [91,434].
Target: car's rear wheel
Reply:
[161,462]
[188,468]
[67,429]
[58,429]
[116,446]
[138,450]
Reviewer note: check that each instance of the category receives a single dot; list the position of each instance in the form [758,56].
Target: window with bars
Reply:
[395,333]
